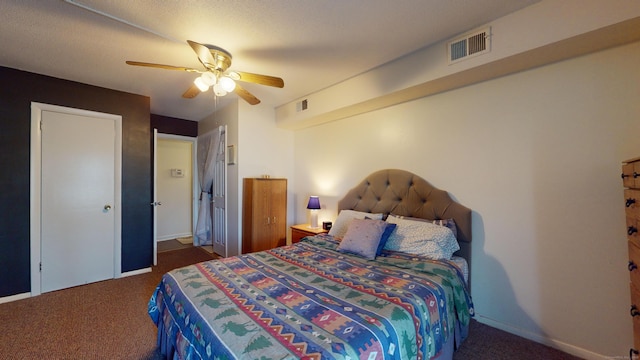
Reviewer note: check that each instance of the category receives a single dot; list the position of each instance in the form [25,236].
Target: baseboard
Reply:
[27,295]
[135,272]
[16,297]
[556,344]
[171,237]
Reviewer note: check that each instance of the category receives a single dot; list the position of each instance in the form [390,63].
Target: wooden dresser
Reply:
[631,181]
[264,214]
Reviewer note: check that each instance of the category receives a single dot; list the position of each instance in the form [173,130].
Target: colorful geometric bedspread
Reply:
[308,301]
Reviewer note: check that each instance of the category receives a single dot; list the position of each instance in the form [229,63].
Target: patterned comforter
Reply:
[308,301]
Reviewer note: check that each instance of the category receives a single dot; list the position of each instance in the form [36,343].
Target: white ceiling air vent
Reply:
[469,45]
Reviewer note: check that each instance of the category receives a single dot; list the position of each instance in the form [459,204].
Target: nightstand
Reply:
[302,230]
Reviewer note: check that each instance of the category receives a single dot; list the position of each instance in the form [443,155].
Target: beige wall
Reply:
[175,193]
[537,156]
[261,149]
[264,149]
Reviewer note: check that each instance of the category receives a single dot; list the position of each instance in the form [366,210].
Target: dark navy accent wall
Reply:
[174,126]
[17,90]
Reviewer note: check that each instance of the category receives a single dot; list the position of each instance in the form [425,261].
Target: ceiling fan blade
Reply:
[191,92]
[246,96]
[204,55]
[162,66]
[215,59]
[260,79]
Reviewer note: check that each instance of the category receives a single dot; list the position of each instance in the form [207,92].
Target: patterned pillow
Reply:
[362,237]
[341,224]
[450,223]
[421,238]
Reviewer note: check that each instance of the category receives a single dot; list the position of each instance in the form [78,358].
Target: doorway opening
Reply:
[175,189]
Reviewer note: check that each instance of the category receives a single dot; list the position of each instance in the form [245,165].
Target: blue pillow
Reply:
[385,236]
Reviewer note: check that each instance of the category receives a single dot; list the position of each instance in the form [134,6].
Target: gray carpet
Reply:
[103,320]
[485,342]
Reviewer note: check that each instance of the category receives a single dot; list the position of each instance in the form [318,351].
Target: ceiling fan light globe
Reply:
[209,78]
[218,90]
[227,84]
[201,84]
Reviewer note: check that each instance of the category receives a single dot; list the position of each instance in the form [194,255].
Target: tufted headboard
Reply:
[403,193]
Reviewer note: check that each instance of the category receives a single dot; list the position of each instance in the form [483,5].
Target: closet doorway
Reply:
[175,189]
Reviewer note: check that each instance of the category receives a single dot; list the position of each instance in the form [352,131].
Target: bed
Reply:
[329,296]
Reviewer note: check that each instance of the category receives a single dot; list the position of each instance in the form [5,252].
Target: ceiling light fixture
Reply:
[218,90]
[221,86]
[204,81]
[201,84]
[227,84]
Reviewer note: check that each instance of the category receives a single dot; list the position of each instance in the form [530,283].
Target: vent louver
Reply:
[469,45]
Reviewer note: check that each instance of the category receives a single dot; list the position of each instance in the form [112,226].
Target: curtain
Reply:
[208,145]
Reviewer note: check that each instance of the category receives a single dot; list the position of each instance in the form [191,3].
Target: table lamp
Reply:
[314,206]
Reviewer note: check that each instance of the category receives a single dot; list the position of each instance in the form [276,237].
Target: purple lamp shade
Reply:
[314,203]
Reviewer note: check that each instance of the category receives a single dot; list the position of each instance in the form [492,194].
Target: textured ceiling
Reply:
[311,44]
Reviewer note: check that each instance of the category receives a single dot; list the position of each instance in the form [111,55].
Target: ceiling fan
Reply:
[217,74]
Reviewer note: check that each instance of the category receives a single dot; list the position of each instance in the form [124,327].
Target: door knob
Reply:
[107,207]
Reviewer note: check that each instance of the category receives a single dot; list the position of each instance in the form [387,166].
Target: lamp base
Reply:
[314,219]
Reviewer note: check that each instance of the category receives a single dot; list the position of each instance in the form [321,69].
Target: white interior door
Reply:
[77,199]
[155,202]
[219,199]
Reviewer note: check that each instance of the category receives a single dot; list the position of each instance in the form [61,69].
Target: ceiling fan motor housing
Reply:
[221,59]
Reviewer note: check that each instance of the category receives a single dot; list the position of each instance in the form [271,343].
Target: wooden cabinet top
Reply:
[308,229]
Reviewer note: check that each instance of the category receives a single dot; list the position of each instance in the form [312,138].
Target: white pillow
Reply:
[421,238]
[340,226]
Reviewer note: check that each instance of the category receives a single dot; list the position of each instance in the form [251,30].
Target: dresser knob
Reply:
[632,230]
[632,352]
[635,175]
[630,201]
[632,266]
[634,311]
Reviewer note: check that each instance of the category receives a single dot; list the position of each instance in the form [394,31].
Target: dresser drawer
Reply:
[632,202]
[634,263]
[634,312]
[632,230]
[297,235]
[631,174]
